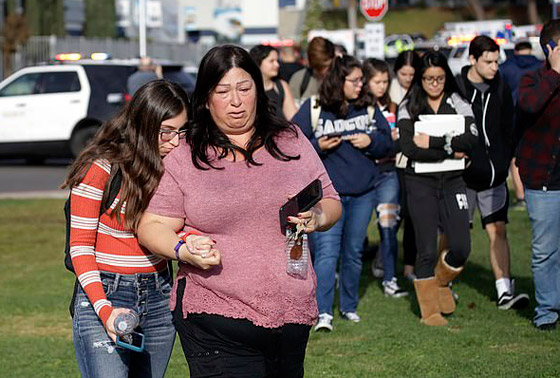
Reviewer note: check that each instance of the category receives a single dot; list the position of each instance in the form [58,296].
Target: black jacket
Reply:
[493,111]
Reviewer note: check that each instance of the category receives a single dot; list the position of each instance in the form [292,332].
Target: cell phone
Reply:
[333,135]
[303,201]
[552,46]
[133,341]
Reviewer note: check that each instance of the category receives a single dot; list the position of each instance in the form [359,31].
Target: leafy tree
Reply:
[313,18]
[100,19]
[45,17]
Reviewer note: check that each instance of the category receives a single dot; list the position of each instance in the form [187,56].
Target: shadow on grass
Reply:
[482,280]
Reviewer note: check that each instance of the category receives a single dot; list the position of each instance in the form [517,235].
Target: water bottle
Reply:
[126,322]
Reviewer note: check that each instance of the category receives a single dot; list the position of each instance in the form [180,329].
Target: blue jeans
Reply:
[544,214]
[345,240]
[98,355]
[387,193]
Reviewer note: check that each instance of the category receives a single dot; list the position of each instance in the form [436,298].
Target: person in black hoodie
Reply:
[437,198]
[492,105]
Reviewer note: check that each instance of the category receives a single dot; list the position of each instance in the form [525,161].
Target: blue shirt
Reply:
[352,170]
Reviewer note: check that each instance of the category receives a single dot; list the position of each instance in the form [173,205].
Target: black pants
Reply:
[409,240]
[216,346]
[435,201]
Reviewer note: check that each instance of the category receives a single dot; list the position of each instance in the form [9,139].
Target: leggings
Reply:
[408,241]
[438,200]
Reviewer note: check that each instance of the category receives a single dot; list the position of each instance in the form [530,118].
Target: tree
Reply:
[100,19]
[313,18]
[532,12]
[16,32]
[477,9]
[45,17]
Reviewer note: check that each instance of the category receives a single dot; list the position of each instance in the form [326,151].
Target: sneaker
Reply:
[411,277]
[391,289]
[520,205]
[509,300]
[546,326]
[324,322]
[351,316]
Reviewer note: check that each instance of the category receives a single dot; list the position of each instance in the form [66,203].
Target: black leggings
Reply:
[216,346]
[434,202]
[408,240]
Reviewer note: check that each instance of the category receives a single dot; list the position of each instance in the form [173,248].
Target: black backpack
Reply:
[114,189]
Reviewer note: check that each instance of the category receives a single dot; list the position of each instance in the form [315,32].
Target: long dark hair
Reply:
[203,133]
[372,67]
[416,95]
[331,91]
[260,53]
[406,58]
[130,142]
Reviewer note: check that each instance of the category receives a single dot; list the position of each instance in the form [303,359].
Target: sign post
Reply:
[374,10]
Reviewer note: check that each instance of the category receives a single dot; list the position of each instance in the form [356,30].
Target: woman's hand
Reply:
[395,134]
[360,140]
[328,143]
[459,155]
[204,260]
[110,325]
[199,244]
[422,140]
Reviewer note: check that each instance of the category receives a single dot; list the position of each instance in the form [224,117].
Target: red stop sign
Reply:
[374,10]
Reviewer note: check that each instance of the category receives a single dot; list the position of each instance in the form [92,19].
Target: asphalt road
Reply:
[19,180]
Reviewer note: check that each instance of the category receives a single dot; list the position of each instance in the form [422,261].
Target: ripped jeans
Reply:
[98,355]
[387,209]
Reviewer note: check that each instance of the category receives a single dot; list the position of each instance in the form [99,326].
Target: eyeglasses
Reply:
[431,79]
[357,81]
[169,135]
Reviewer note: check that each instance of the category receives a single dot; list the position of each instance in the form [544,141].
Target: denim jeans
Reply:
[544,214]
[387,192]
[147,294]
[345,240]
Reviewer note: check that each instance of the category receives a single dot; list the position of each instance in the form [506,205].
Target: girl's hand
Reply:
[395,134]
[422,140]
[311,219]
[326,143]
[360,140]
[459,155]
[204,261]
[110,325]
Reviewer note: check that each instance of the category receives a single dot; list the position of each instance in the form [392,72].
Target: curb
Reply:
[59,194]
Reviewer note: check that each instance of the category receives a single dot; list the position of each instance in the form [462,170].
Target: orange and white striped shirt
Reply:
[101,242]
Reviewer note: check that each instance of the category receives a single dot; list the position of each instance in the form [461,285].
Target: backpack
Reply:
[114,189]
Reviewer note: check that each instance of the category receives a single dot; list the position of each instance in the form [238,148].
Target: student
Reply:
[116,275]
[277,90]
[492,105]
[438,198]
[348,139]
[537,159]
[386,204]
[305,82]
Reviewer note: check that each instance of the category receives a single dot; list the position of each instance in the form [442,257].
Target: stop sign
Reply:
[374,10]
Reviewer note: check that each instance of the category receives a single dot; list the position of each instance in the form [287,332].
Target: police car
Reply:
[53,110]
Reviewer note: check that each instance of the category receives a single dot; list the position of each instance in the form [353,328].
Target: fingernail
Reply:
[214,241]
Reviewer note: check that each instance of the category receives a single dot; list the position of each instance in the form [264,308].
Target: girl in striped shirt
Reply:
[115,273]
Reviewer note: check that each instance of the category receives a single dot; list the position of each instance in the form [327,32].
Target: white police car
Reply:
[53,110]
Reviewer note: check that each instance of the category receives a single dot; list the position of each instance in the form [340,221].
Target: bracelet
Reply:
[177,247]
[447,146]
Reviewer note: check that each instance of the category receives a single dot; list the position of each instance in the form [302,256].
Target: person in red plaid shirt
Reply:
[539,150]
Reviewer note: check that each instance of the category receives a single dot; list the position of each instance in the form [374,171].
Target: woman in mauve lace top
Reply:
[237,310]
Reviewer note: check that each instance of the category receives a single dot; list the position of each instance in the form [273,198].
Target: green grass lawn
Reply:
[481,341]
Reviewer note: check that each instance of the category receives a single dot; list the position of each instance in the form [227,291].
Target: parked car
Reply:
[54,110]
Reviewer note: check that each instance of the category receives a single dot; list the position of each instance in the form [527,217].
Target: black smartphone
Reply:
[333,135]
[133,341]
[303,201]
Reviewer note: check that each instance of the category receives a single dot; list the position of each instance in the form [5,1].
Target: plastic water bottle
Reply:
[126,322]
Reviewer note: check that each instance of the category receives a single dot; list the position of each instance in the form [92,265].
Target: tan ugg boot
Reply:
[445,274]
[427,295]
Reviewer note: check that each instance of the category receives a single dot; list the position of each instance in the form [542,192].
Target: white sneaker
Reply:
[351,316]
[391,289]
[324,322]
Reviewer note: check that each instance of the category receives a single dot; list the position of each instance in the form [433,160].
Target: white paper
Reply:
[438,125]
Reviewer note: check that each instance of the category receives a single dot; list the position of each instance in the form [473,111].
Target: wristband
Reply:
[177,247]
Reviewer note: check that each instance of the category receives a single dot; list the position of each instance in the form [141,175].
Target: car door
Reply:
[16,106]
[60,103]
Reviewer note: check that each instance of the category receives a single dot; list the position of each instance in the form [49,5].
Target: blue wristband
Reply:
[177,247]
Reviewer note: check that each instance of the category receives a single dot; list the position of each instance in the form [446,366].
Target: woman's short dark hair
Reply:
[203,133]
[416,95]
[331,91]
[406,58]
[260,53]
[372,67]
[549,32]
[480,44]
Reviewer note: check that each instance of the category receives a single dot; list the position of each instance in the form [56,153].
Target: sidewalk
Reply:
[59,193]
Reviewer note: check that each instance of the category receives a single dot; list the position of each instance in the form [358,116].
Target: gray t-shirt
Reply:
[482,87]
